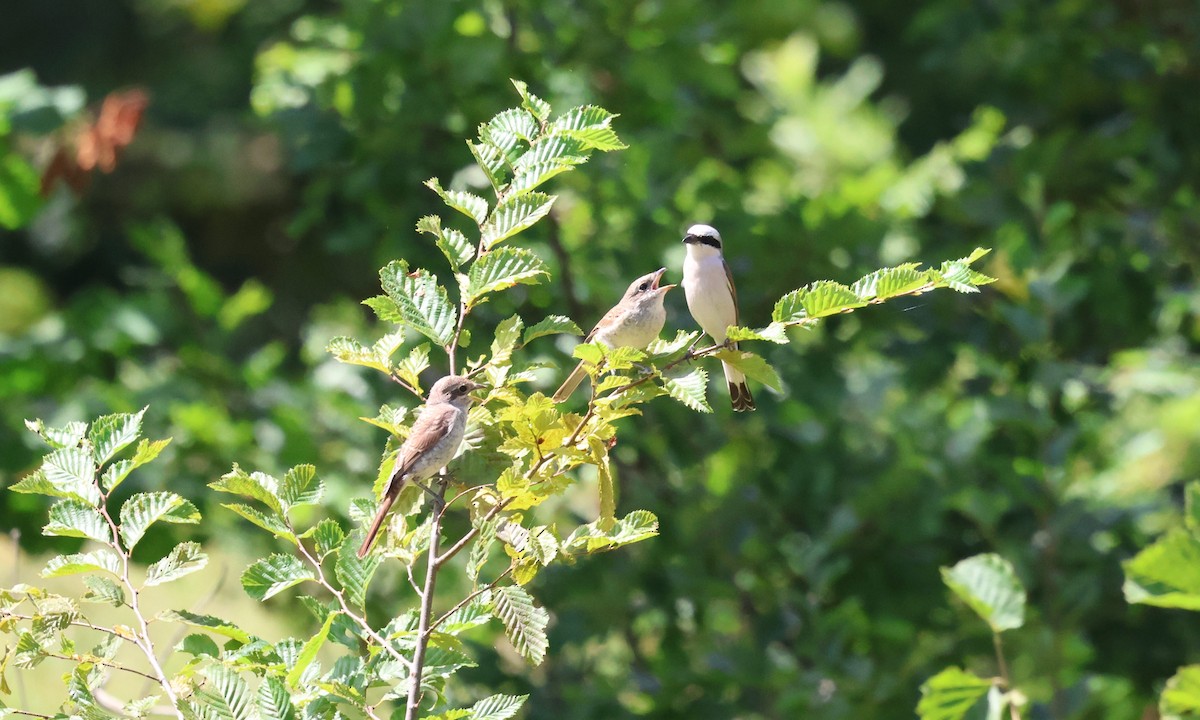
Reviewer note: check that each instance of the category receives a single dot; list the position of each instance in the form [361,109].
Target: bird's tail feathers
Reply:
[377,523]
[564,391]
[739,391]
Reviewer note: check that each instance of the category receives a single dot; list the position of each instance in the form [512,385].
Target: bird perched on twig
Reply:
[431,444]
[634,322]
[712,300]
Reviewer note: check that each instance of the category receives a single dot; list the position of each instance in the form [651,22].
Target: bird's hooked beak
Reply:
[475,387]
[657,278]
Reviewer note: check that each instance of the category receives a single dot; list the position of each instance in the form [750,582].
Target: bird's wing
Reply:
[732,289]
[430,427]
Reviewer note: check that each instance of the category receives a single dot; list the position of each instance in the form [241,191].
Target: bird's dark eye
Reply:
[462,389]
[643,287]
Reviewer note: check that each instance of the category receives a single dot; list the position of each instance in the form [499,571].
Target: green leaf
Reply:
[508,332]
[516,122]
[1191,503]
[352,352]
[272,575]
[502,269]
[957,274]
[473,614]
[102,589]
[819,299]
[989,586]
[267,521]
[775,332]
[524,623]
[309,652]
[497,707]
[690,389]
[71,472]
[198,645]
[453,244]
[553,325]
[230,691]
[513,216]
[96,560]
[72,518]
[950,694]
[144,509]
[257,486]
[660,348]
[891,282]
[110,433]
[492,160]
[422,303]
[208,622]
[539,108]
[532,176]
[355,574]
[20,195]
[301,487]
[553,150]
[470,205]
[753,367]
[115,473]
[480,549]
[274,702]
[184,559]
[591,126]
[1181,697]
[67,436]
[327,535]
[35,483]
[1167,573]
[636,526]
[410,368]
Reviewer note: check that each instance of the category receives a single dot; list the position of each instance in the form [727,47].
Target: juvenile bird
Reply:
[634,322]
[712,300]
[431,444]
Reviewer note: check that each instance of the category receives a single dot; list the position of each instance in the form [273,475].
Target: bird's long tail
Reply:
[739,392]
[377,523]
[577,375]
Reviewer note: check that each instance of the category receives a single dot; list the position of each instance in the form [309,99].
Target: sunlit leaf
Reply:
[102,589]
[775,332]
[590,125]
[232,695]
[553,325]
[208,622]
[497,707]
[355,573]
[513,216]
[308,653]
[267,521]
[890,282]
[539,108]
[267,577]
[753,367]
[466,203]
[258,486]
[502,269]
[300,486]
[273,700]
[96,560]
[110,433]
[71,518]
[1167,573]
[690,389]
[422,303]
[71,471]
[67,436]
[116,472]
[524,622]
[142,510]
[185,559]
[950,694]
[988,585]
[453,244]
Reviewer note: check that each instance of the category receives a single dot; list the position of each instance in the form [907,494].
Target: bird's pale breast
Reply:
[706,287]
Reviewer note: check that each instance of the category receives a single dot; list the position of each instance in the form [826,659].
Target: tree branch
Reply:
[423,626]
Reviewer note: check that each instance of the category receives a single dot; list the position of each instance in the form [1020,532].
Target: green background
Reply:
[1049,419]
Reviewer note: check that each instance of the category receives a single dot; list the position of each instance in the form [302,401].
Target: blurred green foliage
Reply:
[796,574]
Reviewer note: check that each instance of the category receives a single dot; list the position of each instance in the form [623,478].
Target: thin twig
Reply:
[100,661]
[77,623]
[462,603]
[404,384]
[431,570]
[1013,712]
[14,711]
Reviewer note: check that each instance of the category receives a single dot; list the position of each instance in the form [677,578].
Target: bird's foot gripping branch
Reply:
[482,529]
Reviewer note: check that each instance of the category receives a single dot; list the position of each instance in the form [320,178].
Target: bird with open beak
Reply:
[634,322]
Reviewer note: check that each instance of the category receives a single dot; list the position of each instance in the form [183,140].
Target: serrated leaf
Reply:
[958,275]
[115,473]
[230,692]
[185,559]
[273,701]
[690,389]
[491,159]
[1181,696]
[96,560]
[665,348]
[775,332]
[820,299]
[267,577]
[327,535]
[497,707]
[480,548]
[556,149]
[508,332]
[890,282]
[753,367]
[473,614]
[453,244]
[591,126]
[110,433]
[102,589]
[539,108]
[950,694]
[516,122]
[308,653]
[638,525]
[354,573]
[198,644]
[552,325]
[257,486]
[604,479]
[1167,573]
[208,622]
[514,216]
[988,585]
[352,352]
[72,518]
[524,623]
[267,521]
[422,303]
[466,203]
[67,436]
[533,176]
[502,269]
[142,510]
[301,487]
[70,471]
[410,368]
